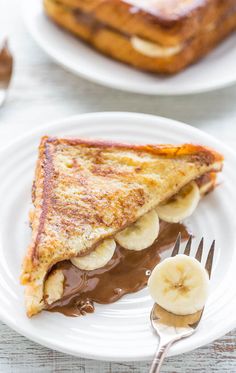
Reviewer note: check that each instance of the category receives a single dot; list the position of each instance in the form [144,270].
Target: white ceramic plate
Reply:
[214,71]
[120,331]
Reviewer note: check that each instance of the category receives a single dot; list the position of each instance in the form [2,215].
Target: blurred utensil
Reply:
[6,68]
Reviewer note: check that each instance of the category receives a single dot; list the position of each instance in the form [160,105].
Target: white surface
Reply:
[42,91]
[120,331]
[214,71]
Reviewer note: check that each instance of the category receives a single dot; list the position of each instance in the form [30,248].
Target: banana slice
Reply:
[181,206]
[54,286]
[97,258]
[141,234]
[150,49]
[179,285]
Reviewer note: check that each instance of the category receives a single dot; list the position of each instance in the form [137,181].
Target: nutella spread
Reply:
[126,272]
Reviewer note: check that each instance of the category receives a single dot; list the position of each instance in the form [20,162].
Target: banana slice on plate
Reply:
[141,234]
[97,258]
[180,285]
[180,206]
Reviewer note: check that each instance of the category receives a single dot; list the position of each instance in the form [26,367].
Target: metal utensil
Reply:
[6,67]
[170,327]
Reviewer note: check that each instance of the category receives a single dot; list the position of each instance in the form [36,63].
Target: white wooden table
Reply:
[42,91]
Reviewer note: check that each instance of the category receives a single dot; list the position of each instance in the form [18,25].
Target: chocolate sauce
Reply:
[127,272]
[89,20]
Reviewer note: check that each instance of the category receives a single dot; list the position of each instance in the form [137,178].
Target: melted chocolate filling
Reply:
[127,272]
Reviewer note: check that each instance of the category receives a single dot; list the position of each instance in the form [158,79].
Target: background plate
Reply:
[120,331]
[214,71]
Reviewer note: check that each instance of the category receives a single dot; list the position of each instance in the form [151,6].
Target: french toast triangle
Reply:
[86,191]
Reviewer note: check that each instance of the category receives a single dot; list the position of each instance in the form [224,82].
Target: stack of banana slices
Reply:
[144,231]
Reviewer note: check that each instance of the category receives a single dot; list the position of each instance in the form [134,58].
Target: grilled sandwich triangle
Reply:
[88,190]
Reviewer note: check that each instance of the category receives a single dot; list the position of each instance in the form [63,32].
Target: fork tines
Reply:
[199,252]
[177,245]
[210,257]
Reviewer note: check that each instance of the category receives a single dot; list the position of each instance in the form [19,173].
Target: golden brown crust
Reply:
[203,153]
[113,41]
[87,190]
[167,22]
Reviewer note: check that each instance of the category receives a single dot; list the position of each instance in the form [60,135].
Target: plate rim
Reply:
[152,91]
[30,334]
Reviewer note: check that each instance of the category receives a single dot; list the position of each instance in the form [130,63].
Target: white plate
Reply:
[214,71]
[120,331]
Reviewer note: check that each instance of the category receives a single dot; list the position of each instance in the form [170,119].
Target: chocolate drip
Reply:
[127,272]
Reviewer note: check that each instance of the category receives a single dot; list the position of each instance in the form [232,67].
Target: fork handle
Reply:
[159,357]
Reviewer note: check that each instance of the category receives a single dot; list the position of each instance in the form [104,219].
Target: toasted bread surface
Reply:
[87,190]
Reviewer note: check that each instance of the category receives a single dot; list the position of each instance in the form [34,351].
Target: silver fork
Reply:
[170,327]
[6,67]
